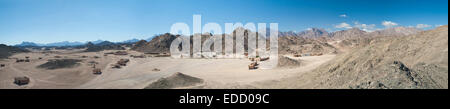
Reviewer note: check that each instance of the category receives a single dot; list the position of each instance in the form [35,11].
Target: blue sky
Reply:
[45,21]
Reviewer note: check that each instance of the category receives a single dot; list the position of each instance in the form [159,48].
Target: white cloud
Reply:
[389,24]
[343,25]
[343,15]
[365,27]
[423,26]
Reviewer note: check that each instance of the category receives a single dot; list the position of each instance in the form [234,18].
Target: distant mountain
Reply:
[97,41]
[64,43]
[130,41]
[24,44]
[396,31]
[310,33]
[313,33]
[296,42]
[68,43]
[350,33]
[289,33]
[105,45]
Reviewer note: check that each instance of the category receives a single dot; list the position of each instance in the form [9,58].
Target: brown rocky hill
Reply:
[6,51]
[294,45]
[105,45]
[415,61]
[288,44]
[159,44]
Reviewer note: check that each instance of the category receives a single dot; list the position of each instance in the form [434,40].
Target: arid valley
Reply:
[396,58]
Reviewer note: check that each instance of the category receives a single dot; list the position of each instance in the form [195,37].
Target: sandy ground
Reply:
[138,72]
[43,78]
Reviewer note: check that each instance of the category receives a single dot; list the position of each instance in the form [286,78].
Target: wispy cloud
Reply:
[343,25]
[422,26]
[388,24]
[365,27]
[343,15]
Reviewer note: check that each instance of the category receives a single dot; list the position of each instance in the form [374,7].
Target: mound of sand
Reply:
[60,63]
[176,80]
[284,61]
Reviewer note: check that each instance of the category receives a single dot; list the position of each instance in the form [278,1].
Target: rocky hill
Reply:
[6,51]
[414,61]
[313,33]
[105,45]
[159,44]
[293,45]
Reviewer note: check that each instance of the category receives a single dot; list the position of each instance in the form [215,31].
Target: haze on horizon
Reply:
[47,21]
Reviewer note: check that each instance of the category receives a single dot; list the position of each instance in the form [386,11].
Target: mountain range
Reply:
[313,40]
[310,33]
[352,32]
[68,43]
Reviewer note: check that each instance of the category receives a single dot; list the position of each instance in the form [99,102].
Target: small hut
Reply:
[121,53]
[123,62]
[253,65]
[97,71]
[138,56]
[264,59]
[21,80]
[116,66]
[155,69]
